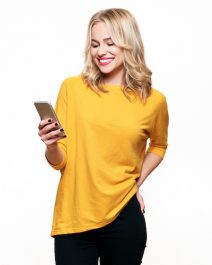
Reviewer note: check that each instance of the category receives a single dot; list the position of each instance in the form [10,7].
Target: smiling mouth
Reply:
[105,61]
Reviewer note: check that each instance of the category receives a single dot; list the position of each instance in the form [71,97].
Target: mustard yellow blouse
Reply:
[103,152]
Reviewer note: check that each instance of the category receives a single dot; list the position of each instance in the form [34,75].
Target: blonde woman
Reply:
[108,113]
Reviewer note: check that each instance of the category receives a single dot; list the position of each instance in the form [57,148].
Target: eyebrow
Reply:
[103,39]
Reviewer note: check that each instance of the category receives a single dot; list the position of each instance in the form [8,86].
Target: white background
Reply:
[41,43]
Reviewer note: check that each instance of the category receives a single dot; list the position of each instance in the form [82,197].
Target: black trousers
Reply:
[121,242]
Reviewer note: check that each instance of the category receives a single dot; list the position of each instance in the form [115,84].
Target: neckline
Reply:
[113,86]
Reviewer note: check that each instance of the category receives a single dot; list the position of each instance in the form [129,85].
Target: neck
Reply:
[115,78]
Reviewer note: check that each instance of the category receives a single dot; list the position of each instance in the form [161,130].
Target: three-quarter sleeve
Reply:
[60,109]
[159,132]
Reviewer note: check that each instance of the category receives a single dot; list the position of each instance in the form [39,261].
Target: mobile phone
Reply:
[45,111]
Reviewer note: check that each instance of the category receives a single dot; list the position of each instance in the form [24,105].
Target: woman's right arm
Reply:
[48,132]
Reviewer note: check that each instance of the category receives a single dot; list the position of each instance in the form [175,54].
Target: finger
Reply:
[53,140]
[51,135]
[49,128]
[44,122]
[143,208]
[142,205]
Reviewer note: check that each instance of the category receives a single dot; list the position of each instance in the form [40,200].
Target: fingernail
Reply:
[62,130]
[56,124]
[49,120]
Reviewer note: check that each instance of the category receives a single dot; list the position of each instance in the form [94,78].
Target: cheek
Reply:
[118,52]
[92,53]
[120,58]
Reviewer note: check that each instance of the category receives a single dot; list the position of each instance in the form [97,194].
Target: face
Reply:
[106,55]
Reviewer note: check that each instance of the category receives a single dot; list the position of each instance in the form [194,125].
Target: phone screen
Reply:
[45,111]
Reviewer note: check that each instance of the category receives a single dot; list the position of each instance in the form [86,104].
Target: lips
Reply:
[105,61]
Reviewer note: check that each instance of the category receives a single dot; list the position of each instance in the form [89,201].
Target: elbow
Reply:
[159,150]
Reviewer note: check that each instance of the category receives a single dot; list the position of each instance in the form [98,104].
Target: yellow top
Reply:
[103,152]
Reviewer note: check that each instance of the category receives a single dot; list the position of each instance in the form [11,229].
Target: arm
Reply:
[151,161]
[48,132]
[157,147]
[55,152]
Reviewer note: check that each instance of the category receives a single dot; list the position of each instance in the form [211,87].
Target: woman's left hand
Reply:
[141,201]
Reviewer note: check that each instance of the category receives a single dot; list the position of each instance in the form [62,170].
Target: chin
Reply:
[105,71]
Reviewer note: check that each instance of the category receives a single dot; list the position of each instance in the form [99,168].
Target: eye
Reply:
[110,44]
[94,45]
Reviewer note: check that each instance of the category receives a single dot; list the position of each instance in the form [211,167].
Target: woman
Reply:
[108,113]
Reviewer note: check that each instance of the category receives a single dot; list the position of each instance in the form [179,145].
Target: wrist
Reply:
[52,147]
[138,184]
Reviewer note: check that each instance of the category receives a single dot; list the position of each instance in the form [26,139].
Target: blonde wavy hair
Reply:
[124,32]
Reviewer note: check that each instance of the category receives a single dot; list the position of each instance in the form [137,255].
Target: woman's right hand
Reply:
[49,131]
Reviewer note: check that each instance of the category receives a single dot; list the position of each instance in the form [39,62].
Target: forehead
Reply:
[99,31]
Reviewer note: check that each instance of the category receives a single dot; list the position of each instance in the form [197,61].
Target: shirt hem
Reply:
[56,232]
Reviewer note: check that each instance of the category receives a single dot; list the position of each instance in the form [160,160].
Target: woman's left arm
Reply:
[157,146]
[151,161]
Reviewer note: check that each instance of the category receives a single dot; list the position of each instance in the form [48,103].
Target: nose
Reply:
[102,50]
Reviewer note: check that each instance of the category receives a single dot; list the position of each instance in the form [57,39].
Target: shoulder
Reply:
[157,95]
[156,100]
[70,85]
[73,80]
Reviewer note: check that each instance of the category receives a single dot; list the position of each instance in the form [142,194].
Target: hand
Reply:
[48,132]
[141,201]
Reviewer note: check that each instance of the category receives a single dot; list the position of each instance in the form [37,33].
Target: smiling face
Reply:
[106,55]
